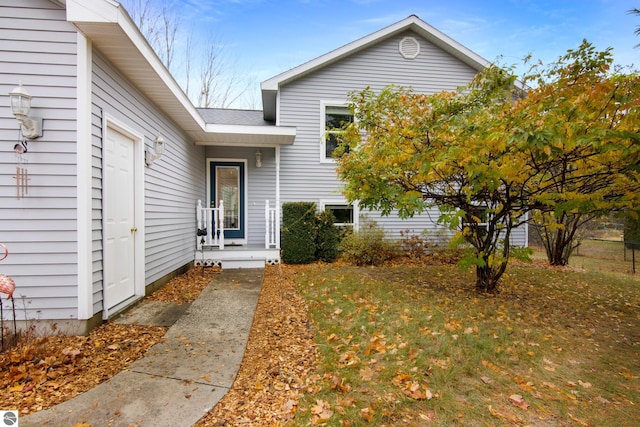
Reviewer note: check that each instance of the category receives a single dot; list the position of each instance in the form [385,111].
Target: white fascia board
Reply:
[248,136]
[109,11]
[284,131]
[134,34]
[103,11]
[451,46]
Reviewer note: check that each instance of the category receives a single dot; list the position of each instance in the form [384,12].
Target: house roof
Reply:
[112,31]
[271,86]
[225,116]
[243,128]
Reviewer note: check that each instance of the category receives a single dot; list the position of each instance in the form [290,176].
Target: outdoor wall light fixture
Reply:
[258,158]
[158,150]
[31,127]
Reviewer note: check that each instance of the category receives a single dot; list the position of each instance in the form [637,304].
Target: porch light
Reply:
[158,150]
[258,158]
[31,127]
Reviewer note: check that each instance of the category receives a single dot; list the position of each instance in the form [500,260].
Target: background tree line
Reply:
[206,72]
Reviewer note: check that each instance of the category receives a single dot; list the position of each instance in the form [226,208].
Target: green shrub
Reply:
[327,237]
[298,232]
[368,246]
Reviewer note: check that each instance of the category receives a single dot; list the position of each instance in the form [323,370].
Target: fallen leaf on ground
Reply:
[518,401]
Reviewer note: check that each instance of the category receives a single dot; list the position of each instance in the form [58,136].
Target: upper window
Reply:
[335,120]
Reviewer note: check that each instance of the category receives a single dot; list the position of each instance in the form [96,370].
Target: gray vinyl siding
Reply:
[173,184]
[261,185]
[303,176]
[38,47]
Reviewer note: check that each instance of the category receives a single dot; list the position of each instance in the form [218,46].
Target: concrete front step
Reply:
[237,257]
[234,263]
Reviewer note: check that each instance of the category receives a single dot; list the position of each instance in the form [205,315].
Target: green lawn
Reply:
[415,345]
[600,255]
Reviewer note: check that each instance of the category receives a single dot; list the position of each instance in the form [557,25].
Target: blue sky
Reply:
[268,37]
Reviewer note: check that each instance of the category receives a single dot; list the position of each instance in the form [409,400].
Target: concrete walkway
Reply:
[180,379]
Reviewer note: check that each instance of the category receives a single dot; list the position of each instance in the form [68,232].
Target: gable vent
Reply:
[409,48]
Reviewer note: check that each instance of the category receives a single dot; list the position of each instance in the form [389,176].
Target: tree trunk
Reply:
[559,236]
[565,242]
[559,254]
[487,279]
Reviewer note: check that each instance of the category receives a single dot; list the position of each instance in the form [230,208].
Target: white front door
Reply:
[119,199]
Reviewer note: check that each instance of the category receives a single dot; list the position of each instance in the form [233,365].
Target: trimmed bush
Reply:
[369,246]
[327,237]
[298,232]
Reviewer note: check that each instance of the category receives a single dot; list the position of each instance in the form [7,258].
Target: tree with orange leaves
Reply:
[561,142]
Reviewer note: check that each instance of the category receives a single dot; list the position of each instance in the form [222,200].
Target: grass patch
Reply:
[599,255]
[415,345]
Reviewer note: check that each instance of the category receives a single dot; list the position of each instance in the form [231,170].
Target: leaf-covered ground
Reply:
[415,345]
[41,372]
[409,344]
[276,368]
[279,362]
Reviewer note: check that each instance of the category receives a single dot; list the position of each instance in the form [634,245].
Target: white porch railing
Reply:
[272,226]
[210,222]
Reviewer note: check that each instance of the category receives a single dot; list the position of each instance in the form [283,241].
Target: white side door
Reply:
[119,211]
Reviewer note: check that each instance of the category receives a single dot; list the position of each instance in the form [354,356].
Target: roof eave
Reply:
[112,31]
[247,136]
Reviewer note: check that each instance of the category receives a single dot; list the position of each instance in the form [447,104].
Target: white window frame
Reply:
[323,134]
[342,202]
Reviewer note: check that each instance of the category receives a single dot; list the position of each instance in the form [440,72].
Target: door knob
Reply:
[134,229]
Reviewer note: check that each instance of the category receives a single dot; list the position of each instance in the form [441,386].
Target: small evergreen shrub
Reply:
[368,246]
[298,232]
[327,237]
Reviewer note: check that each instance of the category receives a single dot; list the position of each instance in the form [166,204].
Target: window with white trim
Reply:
[478,215]
[335,119]
[346,215]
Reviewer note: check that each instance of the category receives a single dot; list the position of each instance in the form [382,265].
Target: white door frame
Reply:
[246,194]
[110,122]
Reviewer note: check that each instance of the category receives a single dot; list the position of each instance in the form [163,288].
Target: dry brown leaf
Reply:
[321,412]
[411,388]
[367,414]
[413,353]
[518,401]
[366,373]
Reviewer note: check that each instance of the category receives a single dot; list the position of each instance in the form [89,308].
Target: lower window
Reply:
[345,214]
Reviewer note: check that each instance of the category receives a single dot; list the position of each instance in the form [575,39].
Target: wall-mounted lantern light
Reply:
[31,127]
[158,150]
[258,158]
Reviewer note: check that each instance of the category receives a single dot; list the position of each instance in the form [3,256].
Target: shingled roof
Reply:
[223,116]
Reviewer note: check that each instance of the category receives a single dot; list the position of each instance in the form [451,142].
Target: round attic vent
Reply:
[409,48]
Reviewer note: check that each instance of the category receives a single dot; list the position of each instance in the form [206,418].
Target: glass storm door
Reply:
[228,185]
